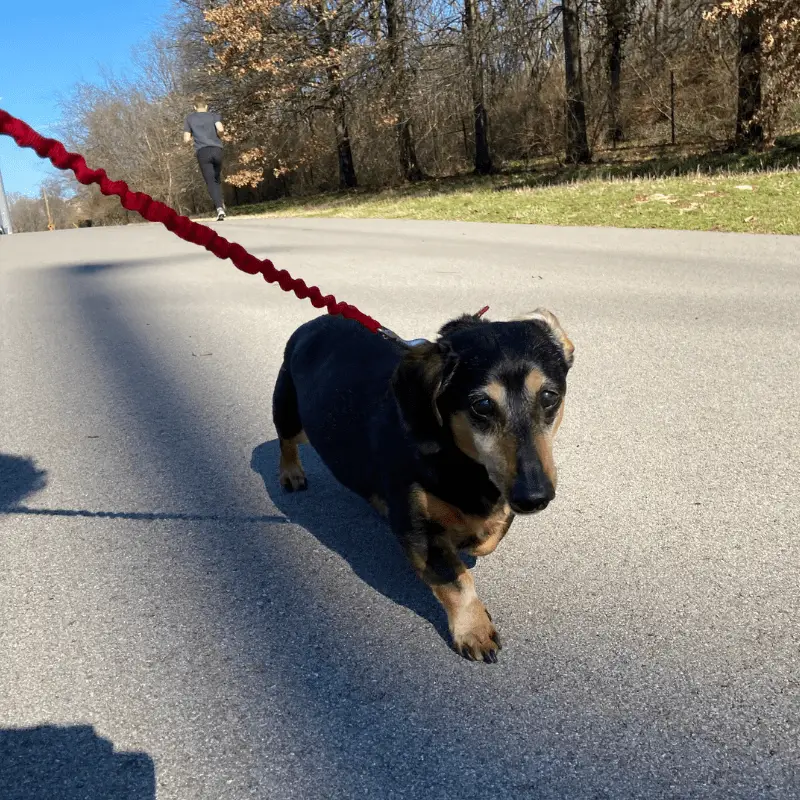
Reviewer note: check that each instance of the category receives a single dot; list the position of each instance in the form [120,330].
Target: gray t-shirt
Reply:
[201,124]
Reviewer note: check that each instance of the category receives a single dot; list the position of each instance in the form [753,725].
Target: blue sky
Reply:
[47,47]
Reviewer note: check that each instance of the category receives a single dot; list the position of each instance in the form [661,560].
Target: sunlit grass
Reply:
[755,193]
[749,202]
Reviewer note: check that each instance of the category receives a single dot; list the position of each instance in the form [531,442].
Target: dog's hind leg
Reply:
[287,421]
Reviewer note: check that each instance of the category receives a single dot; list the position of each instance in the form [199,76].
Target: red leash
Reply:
[193,232]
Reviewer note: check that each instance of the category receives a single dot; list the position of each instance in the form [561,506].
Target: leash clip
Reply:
[392,336]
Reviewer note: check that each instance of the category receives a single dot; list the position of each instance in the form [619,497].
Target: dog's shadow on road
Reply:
[346,524]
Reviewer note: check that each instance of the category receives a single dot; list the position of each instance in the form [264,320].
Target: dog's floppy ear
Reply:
[548,320]
[418,383]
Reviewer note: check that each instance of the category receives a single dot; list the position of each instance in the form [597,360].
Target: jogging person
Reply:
[204,126]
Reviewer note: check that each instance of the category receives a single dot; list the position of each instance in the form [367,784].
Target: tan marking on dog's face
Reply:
[464,434]
[504,455]
[559,417]
[497,392]
[534,381]
[497,449]
[543,442]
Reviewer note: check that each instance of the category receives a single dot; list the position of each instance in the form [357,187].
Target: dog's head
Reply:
[496,391]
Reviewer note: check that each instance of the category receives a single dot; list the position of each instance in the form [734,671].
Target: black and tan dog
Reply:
[448,439]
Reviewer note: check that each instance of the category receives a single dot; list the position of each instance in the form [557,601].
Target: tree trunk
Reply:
[749,130]
[395,29]
[347,169]
[408,152]
[657,24]
[616,31]
[374,13]
[483,158]
[615,132]
[577,140]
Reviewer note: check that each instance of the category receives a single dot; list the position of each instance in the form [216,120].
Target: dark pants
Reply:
[210,161]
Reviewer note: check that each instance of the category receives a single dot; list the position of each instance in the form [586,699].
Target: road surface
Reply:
[173,626]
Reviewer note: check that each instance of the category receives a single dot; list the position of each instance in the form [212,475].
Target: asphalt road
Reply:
[172,626]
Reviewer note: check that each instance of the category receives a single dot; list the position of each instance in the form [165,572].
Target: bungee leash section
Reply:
[186,229]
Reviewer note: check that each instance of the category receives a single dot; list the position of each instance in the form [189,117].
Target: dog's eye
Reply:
[482,407]
[548,400]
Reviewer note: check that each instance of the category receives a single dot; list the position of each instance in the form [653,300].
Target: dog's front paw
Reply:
[474,634]
[293,479]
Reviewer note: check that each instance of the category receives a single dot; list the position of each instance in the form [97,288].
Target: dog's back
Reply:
[334,381]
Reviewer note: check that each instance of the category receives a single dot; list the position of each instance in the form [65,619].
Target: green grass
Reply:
[757,193]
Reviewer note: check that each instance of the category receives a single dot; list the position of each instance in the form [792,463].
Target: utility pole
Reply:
[5,214]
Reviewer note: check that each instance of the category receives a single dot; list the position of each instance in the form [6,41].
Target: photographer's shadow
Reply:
[52,762]
[19,477]
[346,524]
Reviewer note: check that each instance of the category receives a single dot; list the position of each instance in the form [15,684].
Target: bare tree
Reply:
[312,89]
[27,213]
[768,41]
[30,214]
[577,141]
[284,62]
[617,20]
[396,32]
[749,129]
[475,69]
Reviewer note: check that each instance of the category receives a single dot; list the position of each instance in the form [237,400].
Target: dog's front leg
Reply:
[436,561]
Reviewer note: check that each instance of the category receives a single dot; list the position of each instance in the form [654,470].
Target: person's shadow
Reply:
[71,763]
[346,524]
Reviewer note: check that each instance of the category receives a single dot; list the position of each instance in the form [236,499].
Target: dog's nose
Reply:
[525,501]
